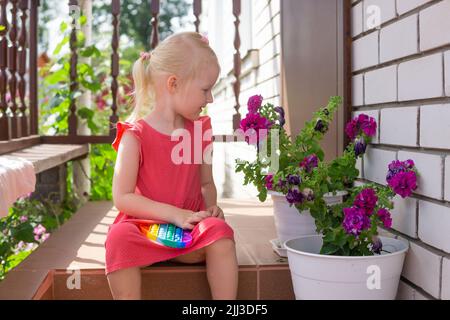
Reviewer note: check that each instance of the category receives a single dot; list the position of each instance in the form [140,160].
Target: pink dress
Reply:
[160,179]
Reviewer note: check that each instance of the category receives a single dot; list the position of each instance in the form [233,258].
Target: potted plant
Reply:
[283,163]
[348,260]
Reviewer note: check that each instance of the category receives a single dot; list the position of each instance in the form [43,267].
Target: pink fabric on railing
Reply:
[17,179]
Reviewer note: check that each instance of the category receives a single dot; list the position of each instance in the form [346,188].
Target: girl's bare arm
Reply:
[124,183]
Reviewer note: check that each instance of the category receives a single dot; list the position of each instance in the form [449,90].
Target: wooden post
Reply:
[23,5]
[154,9]
[4,119]
[73,72]
[237,63]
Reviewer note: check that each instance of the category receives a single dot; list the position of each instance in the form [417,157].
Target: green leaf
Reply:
[59,46]
[63,26]
[85,113]
[90,51]
[329,249]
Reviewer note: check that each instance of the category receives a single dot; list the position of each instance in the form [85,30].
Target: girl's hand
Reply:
[216,211]
[187,219]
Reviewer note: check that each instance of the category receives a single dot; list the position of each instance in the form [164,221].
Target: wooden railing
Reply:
[19,109]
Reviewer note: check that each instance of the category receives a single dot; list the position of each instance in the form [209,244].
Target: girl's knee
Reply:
[224,245]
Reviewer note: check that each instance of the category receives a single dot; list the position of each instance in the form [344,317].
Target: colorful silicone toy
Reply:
[168,234]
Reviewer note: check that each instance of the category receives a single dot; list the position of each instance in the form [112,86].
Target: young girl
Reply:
[172,85]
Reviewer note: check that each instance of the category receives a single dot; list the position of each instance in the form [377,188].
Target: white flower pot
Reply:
[323,277]
[290,223]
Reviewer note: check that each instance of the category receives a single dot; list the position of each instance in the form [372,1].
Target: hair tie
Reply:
[205,38]
[145,55]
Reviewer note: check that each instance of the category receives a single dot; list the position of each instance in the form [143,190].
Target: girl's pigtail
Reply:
[143,93]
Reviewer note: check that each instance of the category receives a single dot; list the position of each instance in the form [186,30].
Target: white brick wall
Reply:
[365,51]
[404,6]
[399,39]
[407,292]
[404,216]
[376,163]
[434,220]
[447,179]
[447,73]
[430,169]
[435,26]
[435,126]
[401,72]
[399,126]
[446,279]
[423,268]
[420,78]
[358,90]
[357,19]
[381,85]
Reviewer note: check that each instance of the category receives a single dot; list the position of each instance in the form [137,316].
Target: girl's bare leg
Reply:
[125,284]
[222,269]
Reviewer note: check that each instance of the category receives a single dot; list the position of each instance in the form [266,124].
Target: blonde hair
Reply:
[177,54]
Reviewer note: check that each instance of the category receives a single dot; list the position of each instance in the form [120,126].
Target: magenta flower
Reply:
[385,217]
[254,103]
[257,125]
[309,162]
[23,219]
[269,181]
[402,178]
[403,183]
[367,124]
[366,200]
[355,221]
[351,129]
[363,123]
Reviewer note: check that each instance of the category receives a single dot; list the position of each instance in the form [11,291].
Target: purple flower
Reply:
[360,146]
[355,221]
[403,183]
[385,217]
[254,103]
[280,112]
[294,179]
[309,162]
[23,219]
[281,183]
[321,126]
[377,245]
[256,126]
[351,129]
[366,200]
[294,196]
[269,181]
